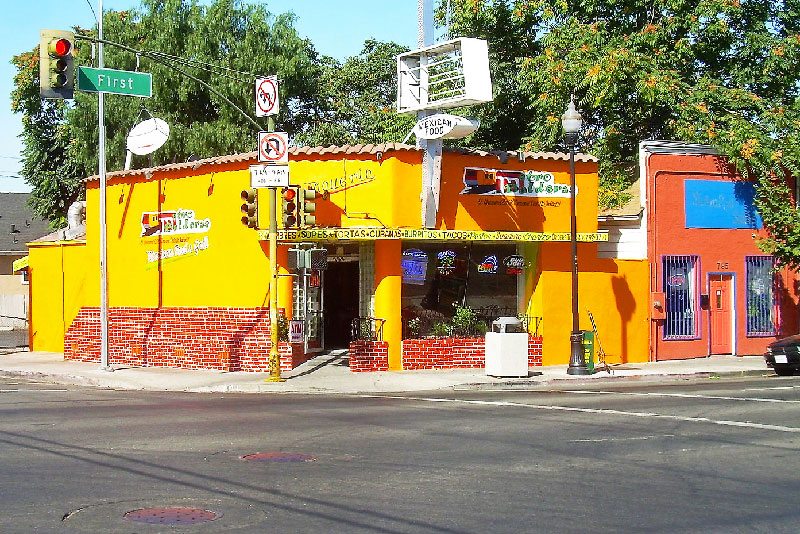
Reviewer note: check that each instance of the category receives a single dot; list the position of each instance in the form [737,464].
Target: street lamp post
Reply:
[571,122]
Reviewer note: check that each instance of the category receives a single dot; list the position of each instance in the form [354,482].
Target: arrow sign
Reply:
[267,96]
[273,147]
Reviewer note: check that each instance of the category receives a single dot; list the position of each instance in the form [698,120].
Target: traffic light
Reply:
[307,207]
[289,208]
[250,208]
[56,64]
[318,259]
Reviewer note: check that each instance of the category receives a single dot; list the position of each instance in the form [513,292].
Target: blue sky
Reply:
[337,29]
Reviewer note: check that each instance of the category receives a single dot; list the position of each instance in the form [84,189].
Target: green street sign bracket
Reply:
[118,82]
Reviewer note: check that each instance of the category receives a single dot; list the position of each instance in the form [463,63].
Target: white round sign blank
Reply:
[148,136]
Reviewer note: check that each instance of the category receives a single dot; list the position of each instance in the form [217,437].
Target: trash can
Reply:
[507,348]
[588,349]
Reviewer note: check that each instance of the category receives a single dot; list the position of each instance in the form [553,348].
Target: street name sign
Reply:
[269,176]
[118,82]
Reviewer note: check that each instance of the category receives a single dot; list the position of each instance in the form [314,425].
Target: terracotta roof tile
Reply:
[252,157]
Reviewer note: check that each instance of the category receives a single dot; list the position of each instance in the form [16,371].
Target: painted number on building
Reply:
[267,96]
[296,330]
[273,147]
[269,176]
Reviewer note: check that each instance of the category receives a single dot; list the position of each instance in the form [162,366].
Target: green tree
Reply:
[240,40]
[720,72]
[358,100]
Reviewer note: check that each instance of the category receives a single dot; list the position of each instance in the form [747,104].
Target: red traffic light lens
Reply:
[289,194]
[62,47]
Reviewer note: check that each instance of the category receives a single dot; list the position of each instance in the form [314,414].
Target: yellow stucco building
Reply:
[188,283]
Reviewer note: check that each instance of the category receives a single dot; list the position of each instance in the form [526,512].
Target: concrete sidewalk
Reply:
[329,373]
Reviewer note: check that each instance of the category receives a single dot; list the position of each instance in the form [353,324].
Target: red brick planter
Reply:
[228,339]
[431,353]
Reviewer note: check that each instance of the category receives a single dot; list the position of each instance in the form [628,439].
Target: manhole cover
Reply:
[171,516]
[278,457]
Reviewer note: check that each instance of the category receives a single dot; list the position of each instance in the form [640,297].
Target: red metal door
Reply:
[721,307]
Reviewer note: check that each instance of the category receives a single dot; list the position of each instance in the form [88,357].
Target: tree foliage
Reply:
[719,72]
[60,139]
[357,100]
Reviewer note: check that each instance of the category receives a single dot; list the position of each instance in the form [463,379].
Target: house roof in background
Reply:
[632,208]
[18,225]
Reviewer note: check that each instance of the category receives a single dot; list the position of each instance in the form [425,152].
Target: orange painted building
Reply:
[712,290]
[189,284]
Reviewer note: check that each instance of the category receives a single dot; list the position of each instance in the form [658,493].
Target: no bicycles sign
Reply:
[273,147]
[267,96]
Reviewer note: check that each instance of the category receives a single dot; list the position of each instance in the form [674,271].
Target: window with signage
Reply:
[680,290]
[760,280]
[439,275]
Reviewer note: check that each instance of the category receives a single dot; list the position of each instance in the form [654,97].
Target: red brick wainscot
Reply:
[369,356]
[432,353]
[227,339]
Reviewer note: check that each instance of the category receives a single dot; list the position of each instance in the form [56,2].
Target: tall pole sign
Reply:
[432,155]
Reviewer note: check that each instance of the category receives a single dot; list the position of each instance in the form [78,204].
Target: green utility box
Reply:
[588,349]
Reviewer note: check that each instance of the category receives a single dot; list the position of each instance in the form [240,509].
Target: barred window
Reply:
[761,313]
[680,289]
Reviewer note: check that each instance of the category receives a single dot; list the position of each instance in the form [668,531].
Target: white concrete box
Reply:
[506,354]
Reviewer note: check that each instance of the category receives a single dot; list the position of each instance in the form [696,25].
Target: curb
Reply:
[68,380]
[533,382]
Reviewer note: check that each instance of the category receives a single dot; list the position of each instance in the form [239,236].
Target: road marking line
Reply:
[638,438]
[33,390]
[680,395]
[600,411]
[771,389]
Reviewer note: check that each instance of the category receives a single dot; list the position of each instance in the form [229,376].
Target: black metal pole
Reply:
[577,360]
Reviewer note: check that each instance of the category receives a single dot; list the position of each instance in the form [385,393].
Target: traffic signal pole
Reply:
[274,354]
[101,164]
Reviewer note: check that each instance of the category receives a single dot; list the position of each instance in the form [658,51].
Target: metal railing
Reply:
[367,329]
[531,324]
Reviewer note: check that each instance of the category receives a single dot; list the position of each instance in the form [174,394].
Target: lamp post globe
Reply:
[571,123]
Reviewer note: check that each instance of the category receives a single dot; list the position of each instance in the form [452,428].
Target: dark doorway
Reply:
[340,297]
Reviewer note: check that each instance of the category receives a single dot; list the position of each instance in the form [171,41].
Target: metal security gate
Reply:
[680,291]
[761,283]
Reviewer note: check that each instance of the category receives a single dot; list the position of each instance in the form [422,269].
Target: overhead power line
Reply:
[159,57]
[208,67]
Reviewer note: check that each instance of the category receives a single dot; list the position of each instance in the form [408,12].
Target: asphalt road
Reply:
[668,456]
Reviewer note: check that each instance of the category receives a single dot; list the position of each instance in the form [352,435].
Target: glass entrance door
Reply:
[307,304]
